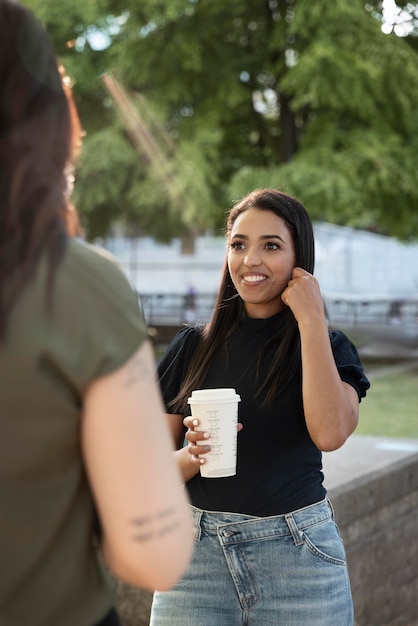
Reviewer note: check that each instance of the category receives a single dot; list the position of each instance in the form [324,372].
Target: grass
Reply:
[390,408]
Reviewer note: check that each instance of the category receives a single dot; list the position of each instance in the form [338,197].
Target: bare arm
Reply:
[147,531]
[330,405]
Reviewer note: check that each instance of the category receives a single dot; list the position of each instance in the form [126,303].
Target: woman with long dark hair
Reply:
[84,442]
[267,547]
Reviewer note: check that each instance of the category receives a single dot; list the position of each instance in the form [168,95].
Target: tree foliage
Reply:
[217,98]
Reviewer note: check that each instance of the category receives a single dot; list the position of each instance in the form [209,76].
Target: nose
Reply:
[252,258]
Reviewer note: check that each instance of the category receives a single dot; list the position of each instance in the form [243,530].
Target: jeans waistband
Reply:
[233,527]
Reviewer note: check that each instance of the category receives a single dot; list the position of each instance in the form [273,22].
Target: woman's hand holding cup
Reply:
[193,436]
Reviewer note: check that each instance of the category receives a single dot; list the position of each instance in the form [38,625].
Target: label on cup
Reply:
[217,412]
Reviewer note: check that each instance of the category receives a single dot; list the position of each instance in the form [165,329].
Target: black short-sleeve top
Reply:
[279,468]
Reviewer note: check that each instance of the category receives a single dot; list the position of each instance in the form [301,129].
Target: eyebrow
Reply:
[262,237]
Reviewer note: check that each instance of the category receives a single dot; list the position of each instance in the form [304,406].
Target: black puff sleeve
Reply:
[348,362]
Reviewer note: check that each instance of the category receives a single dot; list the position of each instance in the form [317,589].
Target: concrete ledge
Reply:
[373,485]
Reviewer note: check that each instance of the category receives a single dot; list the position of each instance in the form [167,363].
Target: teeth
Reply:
[253,279]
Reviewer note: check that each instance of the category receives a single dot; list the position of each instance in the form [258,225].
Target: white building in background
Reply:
[356,262]
[161,268]
[370,287]
[348,261]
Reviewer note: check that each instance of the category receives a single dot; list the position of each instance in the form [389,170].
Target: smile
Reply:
[254,278]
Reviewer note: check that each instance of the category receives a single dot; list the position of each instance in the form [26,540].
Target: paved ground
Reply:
[376,368]
[382,350]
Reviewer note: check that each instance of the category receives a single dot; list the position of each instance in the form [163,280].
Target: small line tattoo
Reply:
[140,521]
[137,370]
[143,538]
[166,512]
[166,530]
[151,528]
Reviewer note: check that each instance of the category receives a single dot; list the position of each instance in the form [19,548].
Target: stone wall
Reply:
[378,518]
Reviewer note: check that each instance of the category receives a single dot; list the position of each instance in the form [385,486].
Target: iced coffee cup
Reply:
[217,412]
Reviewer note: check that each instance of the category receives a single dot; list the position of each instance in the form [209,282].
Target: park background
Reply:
[187,105]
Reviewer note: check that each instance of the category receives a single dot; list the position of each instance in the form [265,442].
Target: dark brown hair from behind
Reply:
[38,139]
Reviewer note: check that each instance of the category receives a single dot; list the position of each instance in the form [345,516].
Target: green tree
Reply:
[309,96]
[352,92]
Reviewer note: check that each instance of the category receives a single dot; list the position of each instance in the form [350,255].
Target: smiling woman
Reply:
[300,387]
[261,259]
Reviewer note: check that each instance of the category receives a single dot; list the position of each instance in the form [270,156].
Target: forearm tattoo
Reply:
[138,369]
[156,526]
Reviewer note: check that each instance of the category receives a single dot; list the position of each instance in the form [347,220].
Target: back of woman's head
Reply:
[291,211]
[35,124]
[36,146]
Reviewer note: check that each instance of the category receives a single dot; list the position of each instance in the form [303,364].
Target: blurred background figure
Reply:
[190,305]
[86,455]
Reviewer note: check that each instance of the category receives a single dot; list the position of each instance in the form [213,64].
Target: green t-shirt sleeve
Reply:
[97,324]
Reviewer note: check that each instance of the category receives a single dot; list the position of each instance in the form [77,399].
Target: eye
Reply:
[271,245]
[237,245]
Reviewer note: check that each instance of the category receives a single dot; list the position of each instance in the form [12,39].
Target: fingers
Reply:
[303,295]
[196,440]
[302,278]
[298,275]
[189,422]
[193,435]
[299,272]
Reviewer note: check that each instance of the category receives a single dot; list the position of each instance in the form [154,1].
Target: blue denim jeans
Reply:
[287,570]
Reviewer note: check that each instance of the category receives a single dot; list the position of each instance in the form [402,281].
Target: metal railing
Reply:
[382,319]
[173,309]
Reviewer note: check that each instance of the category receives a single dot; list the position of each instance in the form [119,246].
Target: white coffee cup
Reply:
[217,412]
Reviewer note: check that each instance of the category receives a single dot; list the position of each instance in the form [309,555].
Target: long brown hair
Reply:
[39,136]
[286,363]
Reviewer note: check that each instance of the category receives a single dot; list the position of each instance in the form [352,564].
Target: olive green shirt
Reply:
[49,573]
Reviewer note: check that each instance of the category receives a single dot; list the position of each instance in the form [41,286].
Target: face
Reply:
[261,258]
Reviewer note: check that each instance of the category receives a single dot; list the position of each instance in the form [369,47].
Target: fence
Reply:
[394,321]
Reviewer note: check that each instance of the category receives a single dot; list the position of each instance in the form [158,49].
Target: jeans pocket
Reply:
[323,540]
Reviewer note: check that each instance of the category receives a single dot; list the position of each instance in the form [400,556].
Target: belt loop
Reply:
[331,507]
[197,516]
[297,539]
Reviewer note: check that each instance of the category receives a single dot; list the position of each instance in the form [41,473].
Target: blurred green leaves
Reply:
[308,96]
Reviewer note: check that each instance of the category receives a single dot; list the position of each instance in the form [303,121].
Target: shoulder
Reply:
[92,259]
[186,336]
[183,343]
[342,346]
[95,274]
[95,322]
[180,349]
